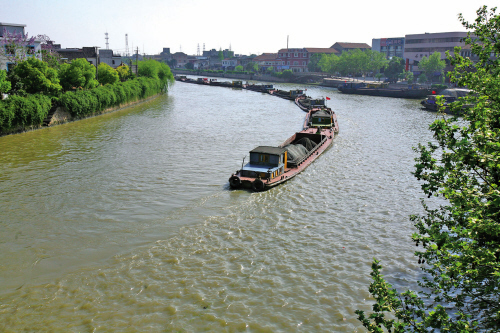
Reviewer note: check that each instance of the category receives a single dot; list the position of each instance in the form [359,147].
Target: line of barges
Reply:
[270,166]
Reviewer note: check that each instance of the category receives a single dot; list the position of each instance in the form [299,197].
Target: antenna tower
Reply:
[126,45]
[198,52]
[107,41]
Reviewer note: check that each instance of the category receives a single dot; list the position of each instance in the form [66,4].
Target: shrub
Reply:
[23,111]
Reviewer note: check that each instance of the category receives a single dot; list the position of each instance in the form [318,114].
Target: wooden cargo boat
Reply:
[321,118]
[271,166]
[290,95]
[264,88]
[305,104]
[449,96]
[383,91]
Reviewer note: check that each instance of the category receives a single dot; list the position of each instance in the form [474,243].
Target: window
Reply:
[296,63]
[264,158]
[288,63]
[10,49]
[113,62]
[296,55]
[303,63]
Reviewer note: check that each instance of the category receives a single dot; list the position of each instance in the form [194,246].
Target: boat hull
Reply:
[395,93]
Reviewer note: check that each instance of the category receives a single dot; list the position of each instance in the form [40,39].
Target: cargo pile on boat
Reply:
[270,166]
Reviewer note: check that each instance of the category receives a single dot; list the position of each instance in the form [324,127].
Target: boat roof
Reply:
[321,113]
[261,168]
[268,150]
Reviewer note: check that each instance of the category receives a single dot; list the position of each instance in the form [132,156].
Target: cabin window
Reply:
[264,158]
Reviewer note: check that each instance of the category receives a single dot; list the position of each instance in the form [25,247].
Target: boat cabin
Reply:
[237,84]
[321,118]
[317,103]
[294,93]
[202,80]
[265,162]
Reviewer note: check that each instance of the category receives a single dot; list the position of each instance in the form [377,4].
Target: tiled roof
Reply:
[321,50]
[266,56]
[352,45]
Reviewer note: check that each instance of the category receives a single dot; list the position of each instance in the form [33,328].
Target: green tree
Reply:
[395,67]
[107,74]
[123,72]
[409,77]
[378,76]
[432,65]
[239,68]
[221,55]
[189,65]
[460,240]
[159,70]
[33,76]
[313,64]
[329,63]
[270,70]
[376,61]
[252,67]
[4,83]
[78,74]
[422,78]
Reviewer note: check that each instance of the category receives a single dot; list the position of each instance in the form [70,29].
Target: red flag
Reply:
[328,98]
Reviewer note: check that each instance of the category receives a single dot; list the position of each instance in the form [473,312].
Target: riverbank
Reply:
[61,116]
[255,77]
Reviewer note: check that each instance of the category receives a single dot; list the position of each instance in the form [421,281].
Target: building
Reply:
[266,60]
[181,59]
[229,64]
[297,59]
[88,52]
[423,45]
[391,47]
[108,57]
[32,46]
[343,47]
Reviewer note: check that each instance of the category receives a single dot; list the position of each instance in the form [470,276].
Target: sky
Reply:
[246,27]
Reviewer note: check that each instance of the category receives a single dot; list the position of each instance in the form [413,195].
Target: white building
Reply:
[7,53]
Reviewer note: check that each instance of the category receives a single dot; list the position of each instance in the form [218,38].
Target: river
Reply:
[125,222]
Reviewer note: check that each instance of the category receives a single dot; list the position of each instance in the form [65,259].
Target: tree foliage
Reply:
[78,74]
[123,72]
[460,240]
[33,76]
[313,64]
[239,68]
[4,83]
[395,67]
[107,74]
[252,67]
[354,62]
[432,65]
[154,69]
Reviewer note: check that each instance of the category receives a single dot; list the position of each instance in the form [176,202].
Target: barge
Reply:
[271,166]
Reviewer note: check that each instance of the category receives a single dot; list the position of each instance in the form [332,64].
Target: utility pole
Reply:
[137,61]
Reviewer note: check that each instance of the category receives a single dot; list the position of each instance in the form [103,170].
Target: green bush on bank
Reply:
[23,111]
[85,102]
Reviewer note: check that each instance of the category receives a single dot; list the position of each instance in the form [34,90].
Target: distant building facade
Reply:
[418,46]
[33,49]
[391,47]
[108,57]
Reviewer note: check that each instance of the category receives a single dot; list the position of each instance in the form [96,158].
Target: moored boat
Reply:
[360,88]
[449,96]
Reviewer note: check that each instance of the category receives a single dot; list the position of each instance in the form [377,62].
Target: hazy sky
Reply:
[254,26]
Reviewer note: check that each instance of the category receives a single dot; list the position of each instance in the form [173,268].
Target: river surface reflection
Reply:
[125,222]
